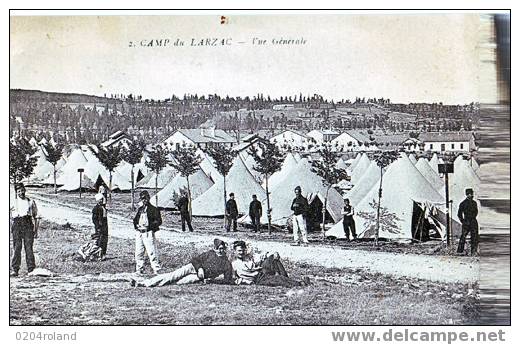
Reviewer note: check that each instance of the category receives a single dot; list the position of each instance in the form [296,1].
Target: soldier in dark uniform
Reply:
[182,205]
[349,225]
[231,213]
[255,212]
[100,220]
[467,214]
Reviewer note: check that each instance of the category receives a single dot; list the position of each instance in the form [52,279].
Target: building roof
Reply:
[292,130]
[324,131]
[445,136]
[115,138]
[357,135]
[196,136]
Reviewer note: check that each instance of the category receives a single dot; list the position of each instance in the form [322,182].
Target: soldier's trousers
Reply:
[472,228]
[23,234]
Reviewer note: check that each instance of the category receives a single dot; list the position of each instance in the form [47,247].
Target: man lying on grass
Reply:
[265,269]
[202,268]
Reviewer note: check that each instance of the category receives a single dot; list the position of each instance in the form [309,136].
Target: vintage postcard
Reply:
[242,168]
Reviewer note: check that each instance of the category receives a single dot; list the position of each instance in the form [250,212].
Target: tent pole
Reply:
[448,222]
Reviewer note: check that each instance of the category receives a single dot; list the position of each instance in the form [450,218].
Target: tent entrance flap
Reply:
[429,222]
[315,215]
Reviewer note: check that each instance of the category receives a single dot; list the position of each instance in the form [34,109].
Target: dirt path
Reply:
[435,268]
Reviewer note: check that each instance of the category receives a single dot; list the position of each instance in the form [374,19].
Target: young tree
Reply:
[133,155]
[268,160]
[53,154]
[21,164]
[186,161]
[383,159]
[157,161]
[223,158]
[110,158]
[326,168]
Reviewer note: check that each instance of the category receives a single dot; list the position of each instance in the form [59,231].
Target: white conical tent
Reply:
[238,181]
[463,177]
[360,169]
[458,160]
[434,162]
[297,156]
[164,177]
[95,170]
[124,169]
[340,164]
[249,161]
[412,159]
[282,195]
[475,166]
[69,175]
[208,166]
[69,170]
[431,176]
[402,185]
[61,163]
[288,164]
[355,162]
[43,168]
[33,142]
[199,183]
[365,184]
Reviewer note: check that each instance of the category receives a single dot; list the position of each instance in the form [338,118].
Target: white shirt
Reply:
[143,219]
[246,271]
[24,207]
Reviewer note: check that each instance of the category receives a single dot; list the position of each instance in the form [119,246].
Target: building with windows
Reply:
[448,141]
[199,137]
[290,138]
[321,136]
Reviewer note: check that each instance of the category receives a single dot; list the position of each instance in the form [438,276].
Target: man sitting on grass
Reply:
[265,269]
[203,268]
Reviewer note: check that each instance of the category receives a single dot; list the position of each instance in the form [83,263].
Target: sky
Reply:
[407,58]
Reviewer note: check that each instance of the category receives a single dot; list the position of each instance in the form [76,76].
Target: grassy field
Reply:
[98,293]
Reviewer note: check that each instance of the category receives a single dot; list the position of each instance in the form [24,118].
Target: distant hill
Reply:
[20,95]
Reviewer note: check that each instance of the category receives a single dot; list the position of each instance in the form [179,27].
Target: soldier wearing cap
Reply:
[255,213]
[467,214]
[231,213]
[146,223]
[299,207]
[24,228]
[100,220]
[184,209]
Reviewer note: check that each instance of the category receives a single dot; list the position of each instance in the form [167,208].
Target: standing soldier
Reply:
[100,220]
[24,228]
[255,212]
[231,213]
[349,225]
[299,206]
[146,223]
[183,206]
[467,214]
[103,192]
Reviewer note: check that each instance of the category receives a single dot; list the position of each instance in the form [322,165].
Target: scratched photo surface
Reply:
[298,82]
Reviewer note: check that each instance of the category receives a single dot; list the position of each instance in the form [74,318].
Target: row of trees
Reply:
[268,160]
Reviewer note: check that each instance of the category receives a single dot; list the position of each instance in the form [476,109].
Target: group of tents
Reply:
[93,173]
[413,196]
[412,189]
